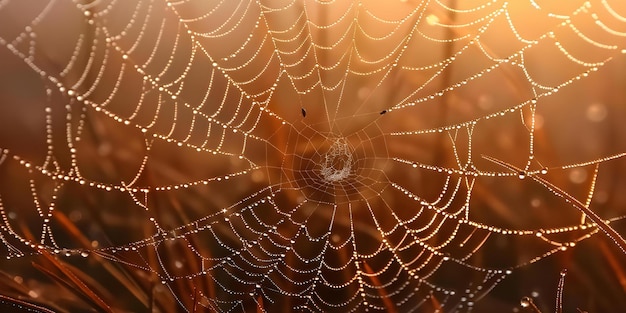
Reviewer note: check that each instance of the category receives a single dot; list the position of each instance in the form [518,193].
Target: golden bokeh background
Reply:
[167,156]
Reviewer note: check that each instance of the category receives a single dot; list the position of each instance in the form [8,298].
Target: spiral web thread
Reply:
[294,109]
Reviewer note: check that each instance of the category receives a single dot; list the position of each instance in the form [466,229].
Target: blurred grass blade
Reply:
[72,282]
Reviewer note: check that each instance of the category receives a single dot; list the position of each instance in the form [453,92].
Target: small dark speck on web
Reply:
[303,112]
[383,112]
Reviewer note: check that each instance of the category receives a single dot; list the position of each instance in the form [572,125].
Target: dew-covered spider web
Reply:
[310,155]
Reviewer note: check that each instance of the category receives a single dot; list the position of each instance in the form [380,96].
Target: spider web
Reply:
[315,155]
